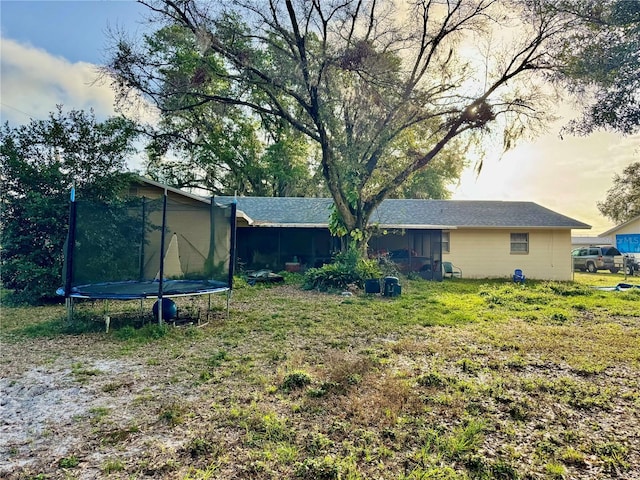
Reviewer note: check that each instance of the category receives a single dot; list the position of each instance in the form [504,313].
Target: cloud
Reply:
[568,175]
[34,82]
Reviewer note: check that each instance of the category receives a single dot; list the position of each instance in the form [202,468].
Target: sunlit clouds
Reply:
[568,174]
[34,82]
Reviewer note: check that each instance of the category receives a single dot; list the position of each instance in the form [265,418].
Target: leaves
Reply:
[623,198]
[354,79]
[601,64]
[40,162]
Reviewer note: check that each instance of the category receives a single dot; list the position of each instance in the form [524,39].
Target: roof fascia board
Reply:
[177,191]
[415,227]
[207,200]
[522,227]
[423,227]
[247,218]
[290,225]
[326,225]
[614,229]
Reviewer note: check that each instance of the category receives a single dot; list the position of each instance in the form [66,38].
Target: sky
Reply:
[49,52]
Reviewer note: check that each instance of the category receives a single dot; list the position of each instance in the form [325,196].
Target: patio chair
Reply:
[450,270]
[518,276]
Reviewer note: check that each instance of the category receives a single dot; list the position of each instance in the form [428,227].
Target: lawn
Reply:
[462,379]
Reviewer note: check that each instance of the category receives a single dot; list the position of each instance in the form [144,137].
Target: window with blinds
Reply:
[519,243]
[446,248]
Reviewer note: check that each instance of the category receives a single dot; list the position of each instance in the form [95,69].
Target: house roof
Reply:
[618,227]
[177,191]
[591,241]
[207,200]
[407,213]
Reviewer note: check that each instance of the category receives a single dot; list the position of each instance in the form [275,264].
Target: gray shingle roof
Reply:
[408,213]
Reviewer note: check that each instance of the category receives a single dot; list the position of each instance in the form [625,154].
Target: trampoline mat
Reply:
[132,290]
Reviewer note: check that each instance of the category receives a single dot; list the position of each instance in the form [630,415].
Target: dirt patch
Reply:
[43,408]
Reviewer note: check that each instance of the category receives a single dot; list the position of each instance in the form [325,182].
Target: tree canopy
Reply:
[382,88]
[623,198]
[222,149]
[39,163]
[601,63]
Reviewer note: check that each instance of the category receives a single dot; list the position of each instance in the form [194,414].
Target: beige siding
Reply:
[486,253]
[632,227]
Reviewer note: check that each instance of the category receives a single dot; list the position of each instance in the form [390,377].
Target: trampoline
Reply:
[133,290]
[143,248]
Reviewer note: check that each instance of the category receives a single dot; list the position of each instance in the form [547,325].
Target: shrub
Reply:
[348,267]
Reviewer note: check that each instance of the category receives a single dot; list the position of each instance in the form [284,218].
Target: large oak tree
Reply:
[382,88]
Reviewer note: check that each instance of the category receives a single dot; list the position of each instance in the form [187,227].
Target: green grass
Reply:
[464,379]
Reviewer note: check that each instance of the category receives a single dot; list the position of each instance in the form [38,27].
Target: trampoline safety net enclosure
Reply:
[143,248]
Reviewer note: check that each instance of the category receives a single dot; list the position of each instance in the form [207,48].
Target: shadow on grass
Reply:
[124,329]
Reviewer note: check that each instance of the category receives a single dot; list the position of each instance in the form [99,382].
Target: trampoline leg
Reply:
[69,304]
[106,317]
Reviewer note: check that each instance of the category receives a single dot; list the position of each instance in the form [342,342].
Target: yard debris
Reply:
[264,276]
[618,288]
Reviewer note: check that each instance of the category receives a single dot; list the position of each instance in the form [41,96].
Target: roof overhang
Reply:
[174,190]
[377,225]
[289,225]
[415,227]
[239,213]
[522,227]
[618,227]
[391,226]
[244,216]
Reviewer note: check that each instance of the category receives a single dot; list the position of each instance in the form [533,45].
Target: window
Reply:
[446,248]
[519,243]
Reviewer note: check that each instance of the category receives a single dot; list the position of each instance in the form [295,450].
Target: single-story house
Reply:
[484,239]
[626,236]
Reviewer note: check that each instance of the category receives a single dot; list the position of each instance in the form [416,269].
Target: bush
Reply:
[348,268]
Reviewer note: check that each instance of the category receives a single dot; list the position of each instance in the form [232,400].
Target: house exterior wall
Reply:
[192,234]
[629,228]
[583,241]
[486,253]
[626,236]
[189,228]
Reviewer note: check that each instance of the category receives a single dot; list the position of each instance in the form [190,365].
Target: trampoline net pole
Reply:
[70,246]
[161,274]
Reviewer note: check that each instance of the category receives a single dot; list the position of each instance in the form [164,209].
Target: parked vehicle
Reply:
[593,259]
[632,264]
